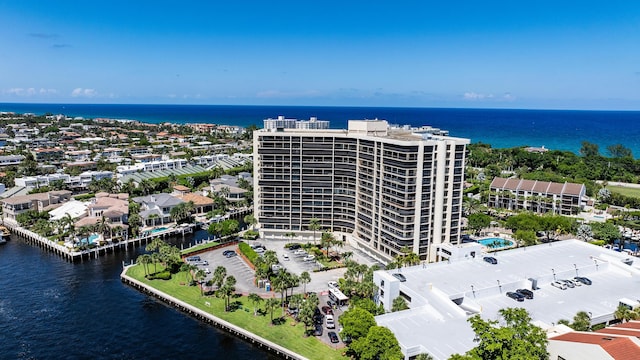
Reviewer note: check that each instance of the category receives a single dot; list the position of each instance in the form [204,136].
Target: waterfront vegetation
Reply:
[200,247]
[288,333]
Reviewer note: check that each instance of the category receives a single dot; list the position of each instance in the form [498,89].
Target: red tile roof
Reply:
[619,347]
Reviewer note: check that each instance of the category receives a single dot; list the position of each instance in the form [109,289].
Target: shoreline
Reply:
[209,318]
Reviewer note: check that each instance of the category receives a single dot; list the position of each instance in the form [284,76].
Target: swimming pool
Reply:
[92,239]
[496,243]
[158,229]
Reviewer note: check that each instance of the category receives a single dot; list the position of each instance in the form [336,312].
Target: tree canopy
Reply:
[516,338]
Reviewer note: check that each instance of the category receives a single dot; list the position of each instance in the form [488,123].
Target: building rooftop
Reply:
[447,294]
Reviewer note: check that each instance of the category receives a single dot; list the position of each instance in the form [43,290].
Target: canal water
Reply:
[53,309]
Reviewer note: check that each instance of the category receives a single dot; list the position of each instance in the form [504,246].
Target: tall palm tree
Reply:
[199,276]
[256,300]
[145,260]
[314,225]
[271,304]
[305,278]
[218,275]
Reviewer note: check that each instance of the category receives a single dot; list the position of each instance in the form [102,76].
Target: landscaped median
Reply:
[289,334]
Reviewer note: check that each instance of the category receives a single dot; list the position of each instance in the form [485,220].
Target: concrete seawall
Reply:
[210,319]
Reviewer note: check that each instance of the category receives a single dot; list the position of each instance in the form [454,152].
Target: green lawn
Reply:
[288,335]
[199,247]
[626,191]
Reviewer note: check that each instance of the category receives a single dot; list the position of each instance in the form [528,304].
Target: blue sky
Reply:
[497,54]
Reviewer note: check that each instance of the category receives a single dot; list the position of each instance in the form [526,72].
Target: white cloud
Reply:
[80,92]
[281,94]
[476,96]
[44,91]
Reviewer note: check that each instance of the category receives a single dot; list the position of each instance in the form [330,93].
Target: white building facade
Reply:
[380,189]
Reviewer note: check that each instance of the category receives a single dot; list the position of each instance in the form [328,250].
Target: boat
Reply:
[4,231]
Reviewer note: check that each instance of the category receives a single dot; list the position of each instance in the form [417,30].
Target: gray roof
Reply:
[137,177]
[161,199]
[439,326]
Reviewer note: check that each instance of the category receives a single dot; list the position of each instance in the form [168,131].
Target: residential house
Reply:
[16,205]
[156,209]
[202,204]
[619,342]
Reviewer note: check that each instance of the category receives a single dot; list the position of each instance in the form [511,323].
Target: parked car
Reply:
[490,260]
[569,283]
[226,252]
[309,258]
[575,282]
[333,337]
[330,323]
[285,257]
[560,285]
[331,303]
[515,296]
[583,280]
[400,277]
[333,285]
[207,271]
[259,250]
[526,293]
[294,247]
[318,330]
[300,252]
[193,258]
[230,254]
[327,310]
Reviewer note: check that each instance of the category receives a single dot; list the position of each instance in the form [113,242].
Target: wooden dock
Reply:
[210,319]
[73,256]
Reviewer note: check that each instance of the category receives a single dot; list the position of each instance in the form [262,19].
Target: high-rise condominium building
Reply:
[379,188]
[283,123]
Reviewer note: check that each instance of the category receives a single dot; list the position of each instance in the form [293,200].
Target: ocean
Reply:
[502,128]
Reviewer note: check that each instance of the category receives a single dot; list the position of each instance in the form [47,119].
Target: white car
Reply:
[285,257]
[330,323]
[300,252]
[207,271]
[333,285]
[560,285]
[309,258]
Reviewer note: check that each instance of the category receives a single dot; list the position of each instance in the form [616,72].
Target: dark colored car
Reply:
[526,293]
[327,310]
[333,337]
[515,296]
[331,303]
[583,280]
[400,277]
[226,252]
[346,339]
[318,330]
[490,260]
[294,247]
[230,254]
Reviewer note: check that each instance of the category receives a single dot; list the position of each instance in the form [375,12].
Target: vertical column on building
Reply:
[418,198]
[440,149]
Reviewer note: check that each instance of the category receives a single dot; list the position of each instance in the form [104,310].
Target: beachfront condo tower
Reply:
[377,187]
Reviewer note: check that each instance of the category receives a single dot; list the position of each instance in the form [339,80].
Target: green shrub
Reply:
[251,235]
[163,275]
[598,242]
[84,196]
[248,252]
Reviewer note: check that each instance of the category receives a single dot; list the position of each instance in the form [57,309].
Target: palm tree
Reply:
[145,260]
[314,224]
[250,220]
[227,290]
[199,276]
[326,240]
[624,313]
[305,278]
[155,258]
[218,276]
[271,304]
[256,300]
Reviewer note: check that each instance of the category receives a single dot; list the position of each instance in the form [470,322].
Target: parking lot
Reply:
[295,264]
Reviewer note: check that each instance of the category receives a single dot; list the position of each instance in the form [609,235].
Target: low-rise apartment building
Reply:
[537,196]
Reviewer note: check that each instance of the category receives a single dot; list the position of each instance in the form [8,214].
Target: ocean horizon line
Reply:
[501,128]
